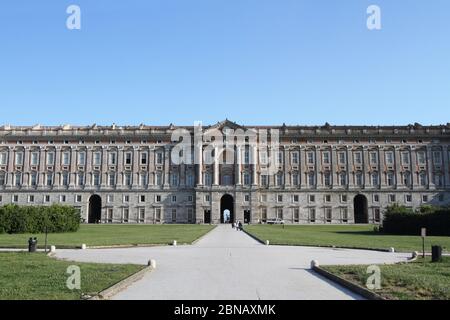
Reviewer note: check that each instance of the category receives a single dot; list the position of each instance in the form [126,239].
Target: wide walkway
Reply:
[230,265]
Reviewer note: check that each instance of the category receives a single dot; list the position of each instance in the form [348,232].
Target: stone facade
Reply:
[324,174]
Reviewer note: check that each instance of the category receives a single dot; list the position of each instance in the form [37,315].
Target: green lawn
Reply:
[102,235]
[352,236]
[25,276]
[406,281]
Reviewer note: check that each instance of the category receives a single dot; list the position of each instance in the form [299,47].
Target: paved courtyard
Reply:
[230,265]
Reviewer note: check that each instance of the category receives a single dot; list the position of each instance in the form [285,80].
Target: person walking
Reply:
[240,226]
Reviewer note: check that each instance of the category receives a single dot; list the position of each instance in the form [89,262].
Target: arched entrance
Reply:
[95,209]
[360,209]
[227,204]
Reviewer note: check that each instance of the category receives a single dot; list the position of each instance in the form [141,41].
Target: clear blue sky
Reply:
[251,61]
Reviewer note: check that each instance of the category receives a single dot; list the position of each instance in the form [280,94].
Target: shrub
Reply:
[36,219]
[405,221]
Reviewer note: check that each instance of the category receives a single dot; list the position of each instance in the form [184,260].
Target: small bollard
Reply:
[52,248]
[415,254]
[83,247]
[391,250]
[152,263]
[314,263]
[267,242]
[174,243]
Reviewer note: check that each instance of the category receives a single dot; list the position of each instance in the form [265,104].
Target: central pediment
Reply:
[224,125]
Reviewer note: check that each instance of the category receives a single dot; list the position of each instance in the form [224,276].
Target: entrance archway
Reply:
[227,204]
[360,209]
[95,209]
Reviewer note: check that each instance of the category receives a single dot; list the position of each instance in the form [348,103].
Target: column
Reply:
[42,167]
[238,169]
[382,166]
[73,167]
[351,169]
[88,166]
[446,165]
[254,165]
[303,177]
[199,164]
[216,166]
[120,168]
[398,168]
[104,168]
[26,167]
[135,173]
[287,165]
[334,167]
[166,166]
[366,165]
[413,167]
[57,167]
[431,184]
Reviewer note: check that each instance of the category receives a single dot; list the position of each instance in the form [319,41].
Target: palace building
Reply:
[319,174]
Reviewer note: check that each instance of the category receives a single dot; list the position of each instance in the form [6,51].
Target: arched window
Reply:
[375,179]
[423,180]
[343,178]
[407,178]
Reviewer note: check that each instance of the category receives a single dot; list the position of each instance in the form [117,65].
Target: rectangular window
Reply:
[50,159]
[295,198]
[97,179]
[328,214]
[377,214]
[295,158]
[295,179]
[296,215]
[19,159]
[112,179]
[373,158]
[158,198]
[326,157]
[376,198]
[342,157]
[421,158]
[78,198]
[18,179]
[311,198]
[125,215]
[279,213]
[392,198]
[65,179]
[344,214]
[408,198]
[34,177]
[405,158]
[81,158]
[389,158]
[358,158]
[280,158]
[49,179]
[2,178]
[144,157]
[174,215]
[34,161]
[263,157]
[279,198]
[437,157]
[159,158]
[264,180]
[310,157]
[264,214]
[327,198]
[66,158]
[3,158]
[312,214]
[46,198]
[112,158]
[128,158]
[109,215]
[141,215]
[97,159]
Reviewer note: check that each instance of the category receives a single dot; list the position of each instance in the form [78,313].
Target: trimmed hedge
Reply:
[405,221]
[34,219]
